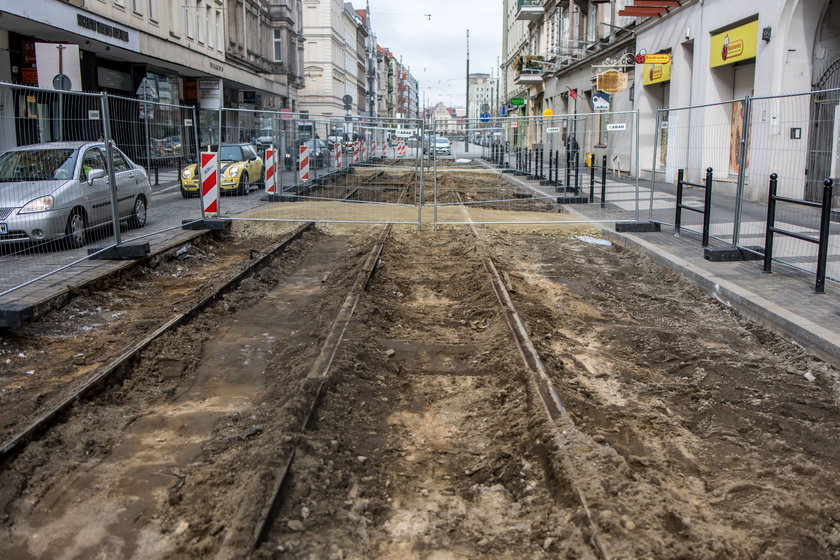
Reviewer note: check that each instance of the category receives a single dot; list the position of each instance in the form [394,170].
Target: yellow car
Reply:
[239,165]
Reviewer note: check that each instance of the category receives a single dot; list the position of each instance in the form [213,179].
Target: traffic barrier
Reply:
[824,230]
[364,151]
[401,148]
[271,171]
[304,163]
[707,203]
[339,163]
[210,183]
[385,149]
[356,151]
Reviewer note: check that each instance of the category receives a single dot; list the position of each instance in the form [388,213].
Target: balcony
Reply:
[531,69]
[529,78]
[529,10]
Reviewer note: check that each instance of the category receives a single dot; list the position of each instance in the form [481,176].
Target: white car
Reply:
[60,190]
[443,146]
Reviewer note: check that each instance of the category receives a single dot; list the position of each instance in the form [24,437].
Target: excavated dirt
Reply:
[691,432]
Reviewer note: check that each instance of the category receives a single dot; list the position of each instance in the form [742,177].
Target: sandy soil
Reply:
[691,433]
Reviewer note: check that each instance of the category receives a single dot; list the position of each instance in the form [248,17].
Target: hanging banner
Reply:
[656,74]
[734,45]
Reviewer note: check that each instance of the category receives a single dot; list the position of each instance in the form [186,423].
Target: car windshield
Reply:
[37,164]
[231,153]
[442,141]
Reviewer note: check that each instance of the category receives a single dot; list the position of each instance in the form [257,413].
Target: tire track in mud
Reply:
[427,446]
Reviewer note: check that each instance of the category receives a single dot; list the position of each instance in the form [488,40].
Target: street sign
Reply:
[514,124]
[517,101]
[484,117]
[146,91]
[147,112]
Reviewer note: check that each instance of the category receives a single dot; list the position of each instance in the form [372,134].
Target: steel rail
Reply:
[544,387]
[103,373]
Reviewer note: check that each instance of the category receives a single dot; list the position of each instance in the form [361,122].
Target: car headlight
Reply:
[43,204]
[186,174]
[233,171]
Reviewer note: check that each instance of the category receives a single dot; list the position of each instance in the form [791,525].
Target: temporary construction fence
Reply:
[744,142]
[562,168]
[73,172]
[314,157]
[586,162]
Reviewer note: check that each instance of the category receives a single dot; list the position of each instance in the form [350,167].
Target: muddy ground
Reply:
[691,433]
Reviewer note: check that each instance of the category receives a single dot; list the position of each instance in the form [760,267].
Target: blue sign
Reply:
[601,101]
[504,110]
[484,117]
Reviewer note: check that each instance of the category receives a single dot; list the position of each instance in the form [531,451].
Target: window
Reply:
[135,6]
[278,45]
[153,10]
[219,41]
[209,22]
[186,22]
[199,29]
[93,160]
[119,161]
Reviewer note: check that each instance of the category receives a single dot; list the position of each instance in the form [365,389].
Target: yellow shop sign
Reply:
[735,45]
[656,74]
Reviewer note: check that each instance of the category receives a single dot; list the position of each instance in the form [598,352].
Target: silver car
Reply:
[443,146]
[60,190]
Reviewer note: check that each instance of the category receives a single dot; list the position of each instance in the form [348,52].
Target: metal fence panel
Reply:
[376,178]
[796,137]
[585,162]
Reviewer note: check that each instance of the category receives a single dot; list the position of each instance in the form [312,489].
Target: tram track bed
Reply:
[687,432]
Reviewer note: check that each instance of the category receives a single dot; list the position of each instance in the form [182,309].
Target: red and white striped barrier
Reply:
[270,171]
[385,149]
[210,183]
[372,148]
[401,148]
[304,163]
[364,151]
[356,151]
[339,161]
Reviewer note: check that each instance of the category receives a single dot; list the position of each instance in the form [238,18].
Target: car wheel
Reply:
[244,185]
[185,194]
[138,213]
[76,230]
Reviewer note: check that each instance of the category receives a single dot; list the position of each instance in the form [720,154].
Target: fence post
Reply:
[603,181]
[678,216]
[742,171]
[707,207]
[109,164]
[771,223]
[825,225]
[592,184]
[656,136]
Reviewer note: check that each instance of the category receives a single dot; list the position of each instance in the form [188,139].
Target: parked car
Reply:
[443,146]
[240,168]
[319,154]
[60,190]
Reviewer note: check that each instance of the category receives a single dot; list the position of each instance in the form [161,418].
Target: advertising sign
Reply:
[656,74]
[210,94]
[612,81]
[601,101]
[734,45]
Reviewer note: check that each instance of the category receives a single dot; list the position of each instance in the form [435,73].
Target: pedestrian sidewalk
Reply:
[784,301]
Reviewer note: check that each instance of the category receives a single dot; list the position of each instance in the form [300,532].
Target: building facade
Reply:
[335,59]
[242,52]
[719,51]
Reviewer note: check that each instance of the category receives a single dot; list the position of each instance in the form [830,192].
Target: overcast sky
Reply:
[434,48]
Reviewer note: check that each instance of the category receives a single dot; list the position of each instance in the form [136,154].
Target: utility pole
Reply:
[467,120]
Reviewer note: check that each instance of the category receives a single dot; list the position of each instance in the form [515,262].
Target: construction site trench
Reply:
[687,432]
